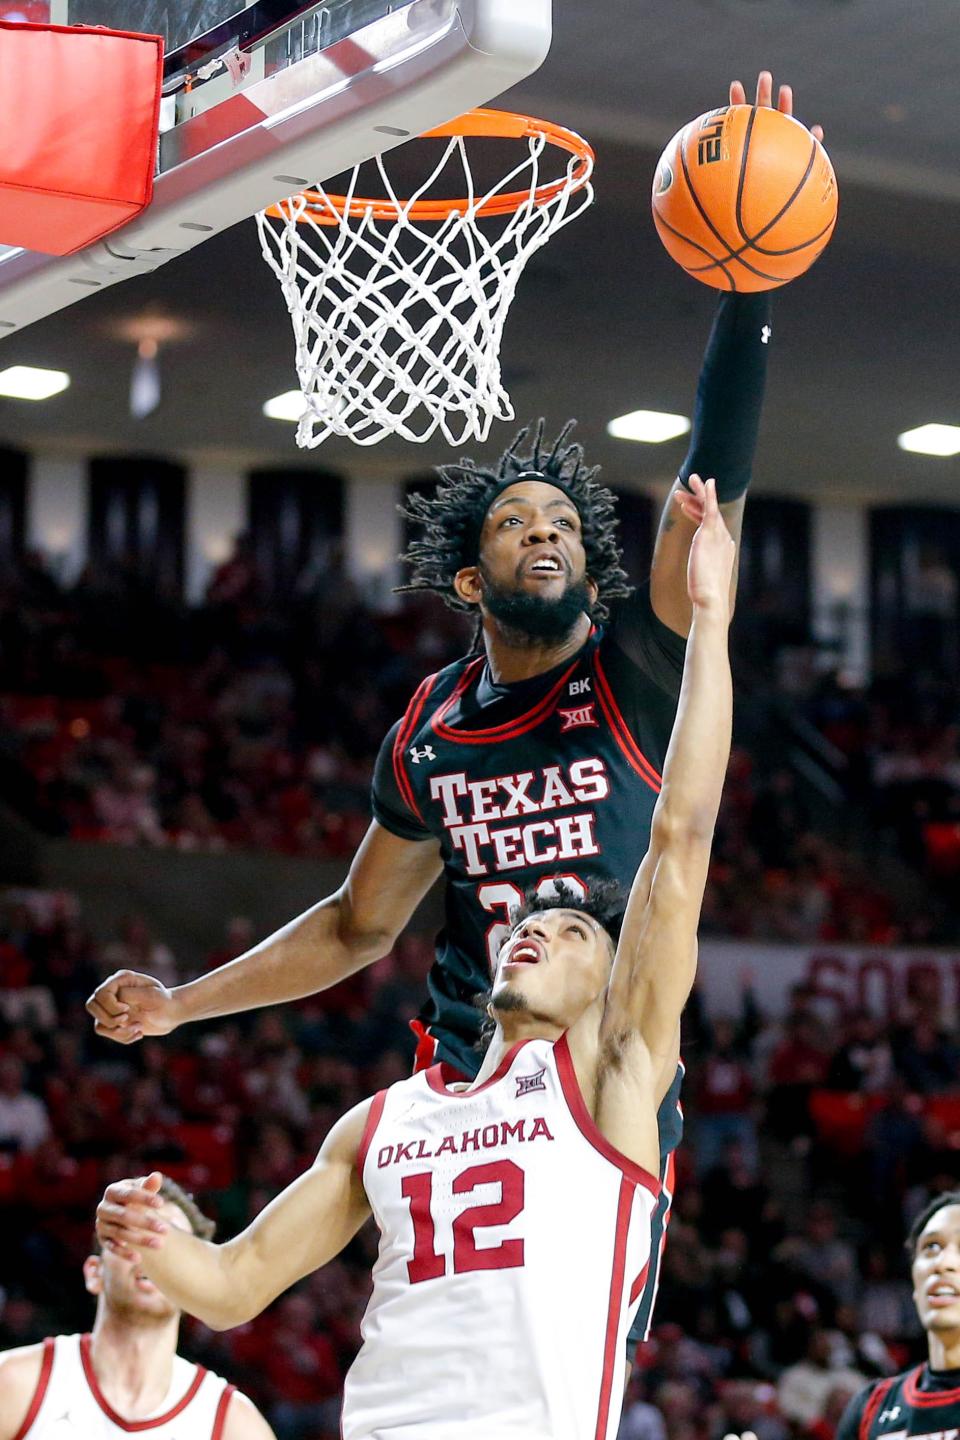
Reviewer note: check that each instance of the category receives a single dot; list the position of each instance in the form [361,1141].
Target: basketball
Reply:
[744,198]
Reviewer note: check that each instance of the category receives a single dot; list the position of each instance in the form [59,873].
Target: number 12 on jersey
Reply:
[427,1262]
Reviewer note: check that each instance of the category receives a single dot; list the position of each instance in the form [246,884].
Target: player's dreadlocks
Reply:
[453,517]
[605,903]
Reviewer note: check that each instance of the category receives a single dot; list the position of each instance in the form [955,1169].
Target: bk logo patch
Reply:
[576,719]
[526,1083]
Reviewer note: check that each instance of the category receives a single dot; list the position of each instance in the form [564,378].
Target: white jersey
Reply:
[69,1405]
[514,1242]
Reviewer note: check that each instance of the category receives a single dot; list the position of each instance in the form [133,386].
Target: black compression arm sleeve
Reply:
[730,395]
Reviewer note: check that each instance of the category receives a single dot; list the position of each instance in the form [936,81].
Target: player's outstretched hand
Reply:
[712,552]
[127,1220]
[738,96]
[126,1006]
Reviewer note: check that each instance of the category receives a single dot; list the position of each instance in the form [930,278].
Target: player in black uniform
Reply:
[537,756]
[925,1401]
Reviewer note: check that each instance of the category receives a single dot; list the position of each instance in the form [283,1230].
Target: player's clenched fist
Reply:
[126,1006]
[128,1219]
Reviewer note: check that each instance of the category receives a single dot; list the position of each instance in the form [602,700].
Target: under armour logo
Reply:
[425,754]
[526,1083]
[580,687]
[889,1414]
[575,719]
[765,334]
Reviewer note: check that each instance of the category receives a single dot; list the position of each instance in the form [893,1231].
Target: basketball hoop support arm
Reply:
[312,120]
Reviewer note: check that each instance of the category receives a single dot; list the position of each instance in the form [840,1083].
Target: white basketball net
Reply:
[397,322]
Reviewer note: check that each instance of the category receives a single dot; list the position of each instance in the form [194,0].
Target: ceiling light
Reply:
[289,406]
[26,382]
[931,440]
[651,426]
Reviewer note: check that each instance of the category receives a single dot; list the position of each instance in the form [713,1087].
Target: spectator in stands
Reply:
[864,1062]
[825,1428]
[748,1407]
[724,1092]
[821,1255]
[24,1122]
[805,1389]
[797,1066]
[886,1302]
[302,1371]
[927,1059]
[640,1420]
[138,949]
[123,805]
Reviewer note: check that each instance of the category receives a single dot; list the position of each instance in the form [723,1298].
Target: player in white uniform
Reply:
[126,1375]
[515,1209]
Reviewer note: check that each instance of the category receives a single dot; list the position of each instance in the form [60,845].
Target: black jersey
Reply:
[550,778]
[921,1403]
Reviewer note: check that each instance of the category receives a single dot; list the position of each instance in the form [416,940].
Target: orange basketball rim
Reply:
[481,123]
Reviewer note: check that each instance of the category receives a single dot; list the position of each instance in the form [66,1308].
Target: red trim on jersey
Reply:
[440,1076]
[510,729]
[43,1380]
[220,1419]
[624,1207]
[426,1050]
[925,1398]
[407,727]
[636,1289]
[587,1126]
[369,1129]
[874,1401]
[86,1360]
[621,732]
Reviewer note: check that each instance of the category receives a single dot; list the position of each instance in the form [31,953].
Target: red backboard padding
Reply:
[79,119]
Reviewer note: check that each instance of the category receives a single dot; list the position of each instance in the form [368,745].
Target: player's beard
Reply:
[505,999]
[533,619]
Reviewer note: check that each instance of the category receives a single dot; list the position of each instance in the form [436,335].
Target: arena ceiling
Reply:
[867,344]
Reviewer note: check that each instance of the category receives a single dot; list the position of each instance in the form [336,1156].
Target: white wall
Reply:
[216,514]
[373,537]
[840,577]
[57,508]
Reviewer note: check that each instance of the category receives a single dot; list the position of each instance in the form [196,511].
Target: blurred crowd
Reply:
[127,718]
[900,744]
[772,1310]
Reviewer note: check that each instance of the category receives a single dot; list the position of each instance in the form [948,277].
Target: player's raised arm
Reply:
[655,961]
[333,939]
[726,419]
[225,1285]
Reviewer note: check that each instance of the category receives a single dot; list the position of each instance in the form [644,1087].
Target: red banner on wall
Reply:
[845,977]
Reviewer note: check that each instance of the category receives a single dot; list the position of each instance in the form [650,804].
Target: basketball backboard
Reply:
[264,98]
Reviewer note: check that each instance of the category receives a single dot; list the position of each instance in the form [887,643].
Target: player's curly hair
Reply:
[605,903]
[452,518]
